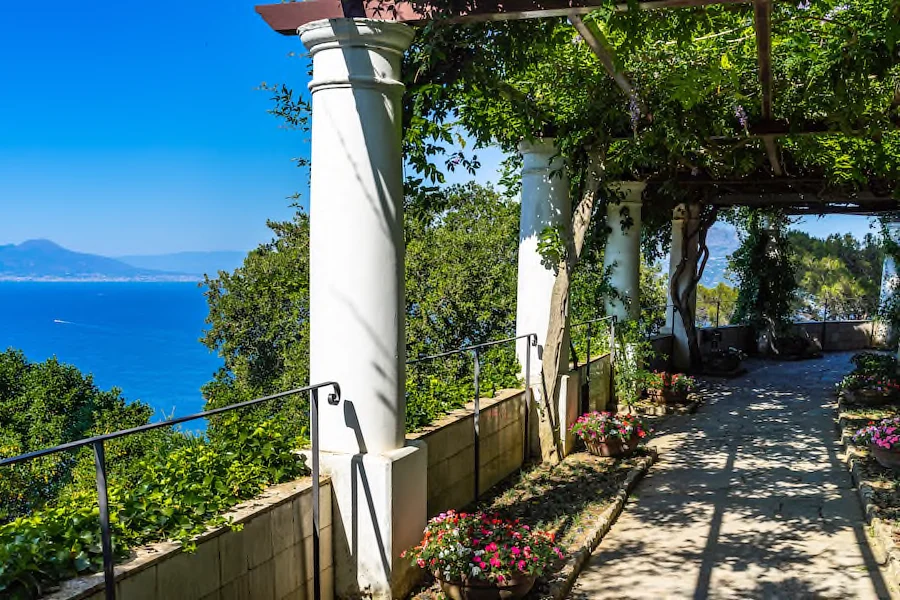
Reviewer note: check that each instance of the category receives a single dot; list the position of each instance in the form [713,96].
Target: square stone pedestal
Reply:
[380,510]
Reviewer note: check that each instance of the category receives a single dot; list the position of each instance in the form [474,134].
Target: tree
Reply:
[461,248]
[47,404]
[765,270]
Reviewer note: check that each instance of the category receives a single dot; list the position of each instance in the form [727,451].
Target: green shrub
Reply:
[874,363]
[176,496]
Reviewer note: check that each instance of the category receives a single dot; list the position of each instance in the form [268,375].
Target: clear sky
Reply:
[137,128]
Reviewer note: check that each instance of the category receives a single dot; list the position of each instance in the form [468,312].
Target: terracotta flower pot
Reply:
[612,446]
[667,396]
[889,459]
[478,589]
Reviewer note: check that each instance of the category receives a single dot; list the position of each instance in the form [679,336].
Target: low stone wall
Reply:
[843,335]
[839,335]
[451,449]
[269,557]
[502,424]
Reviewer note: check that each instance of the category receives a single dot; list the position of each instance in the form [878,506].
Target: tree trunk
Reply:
[681,299]
[555,360]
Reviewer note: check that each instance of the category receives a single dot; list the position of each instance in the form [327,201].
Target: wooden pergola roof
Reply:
[797,197]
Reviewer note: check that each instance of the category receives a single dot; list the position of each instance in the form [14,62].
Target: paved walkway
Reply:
[749,500]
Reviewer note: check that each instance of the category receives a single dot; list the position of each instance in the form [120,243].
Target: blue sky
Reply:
[137,128]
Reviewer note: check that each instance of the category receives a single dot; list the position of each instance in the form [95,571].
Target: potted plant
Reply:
[868,390]
[724,363]
[475,556]
[608,434]
[669,388]
[883,440]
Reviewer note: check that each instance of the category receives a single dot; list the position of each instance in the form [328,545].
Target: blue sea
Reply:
[140,337]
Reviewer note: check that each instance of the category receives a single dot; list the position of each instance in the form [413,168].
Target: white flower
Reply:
[475,571]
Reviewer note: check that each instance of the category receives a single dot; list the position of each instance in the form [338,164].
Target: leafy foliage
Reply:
[763,266]
[47,404]
[175,496]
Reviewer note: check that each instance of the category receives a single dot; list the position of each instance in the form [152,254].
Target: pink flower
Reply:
[515,551]
[521,565]
[492,547]
[495,562]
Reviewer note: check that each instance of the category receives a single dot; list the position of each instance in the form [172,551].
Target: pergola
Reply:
[356,243]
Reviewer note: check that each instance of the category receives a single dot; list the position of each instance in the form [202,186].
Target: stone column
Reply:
[685,219]
[623,250]
[545,203]
[357,306]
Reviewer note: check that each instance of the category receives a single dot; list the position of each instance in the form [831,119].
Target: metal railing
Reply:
[476,355]
[586,389]
[97,443]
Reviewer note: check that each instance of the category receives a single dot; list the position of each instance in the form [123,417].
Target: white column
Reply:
[623,250]
[357,306]
[545,203]
[685,219]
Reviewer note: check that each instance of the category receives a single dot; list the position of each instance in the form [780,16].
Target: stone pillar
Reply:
[685,219]
[623,250]
[357,305]
[545,203]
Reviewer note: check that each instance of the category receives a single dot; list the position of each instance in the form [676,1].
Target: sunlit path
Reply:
[749,500]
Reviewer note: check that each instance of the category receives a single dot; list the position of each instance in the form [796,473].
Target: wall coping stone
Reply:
[144,557]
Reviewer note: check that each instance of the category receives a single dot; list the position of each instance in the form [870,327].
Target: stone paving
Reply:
[748,500]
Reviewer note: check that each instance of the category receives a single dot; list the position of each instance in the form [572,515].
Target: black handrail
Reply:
[474,349]
[586,396]
[100,465]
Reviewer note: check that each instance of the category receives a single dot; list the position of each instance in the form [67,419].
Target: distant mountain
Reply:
[43,260]
[193,263]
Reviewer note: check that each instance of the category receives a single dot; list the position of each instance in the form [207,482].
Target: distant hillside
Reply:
[722,240]
[43,260]
[193,263]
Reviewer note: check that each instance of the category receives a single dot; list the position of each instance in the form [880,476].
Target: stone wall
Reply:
[844,335]
[451,440]
[839,335]
[270,557]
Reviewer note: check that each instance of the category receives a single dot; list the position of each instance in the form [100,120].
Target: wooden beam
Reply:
[762,18]
[286,18]
[595,39]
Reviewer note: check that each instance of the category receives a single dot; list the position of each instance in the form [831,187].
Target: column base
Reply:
[380,510]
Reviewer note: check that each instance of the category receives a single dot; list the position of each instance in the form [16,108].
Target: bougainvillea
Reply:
[463,546]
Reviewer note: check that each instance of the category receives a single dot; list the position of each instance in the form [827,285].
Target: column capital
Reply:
[686,211]
[540,155]
[633,190]
[356,52]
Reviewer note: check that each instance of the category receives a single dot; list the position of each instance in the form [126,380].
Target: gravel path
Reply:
[749,500]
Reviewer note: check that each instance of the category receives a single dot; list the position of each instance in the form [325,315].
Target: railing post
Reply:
[109,576]
[477,424]
[333,399]
[824,321]
[612,361]
[586,404]
[718,305]
[526,443]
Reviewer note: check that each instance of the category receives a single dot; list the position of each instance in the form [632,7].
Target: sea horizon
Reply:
[142,337]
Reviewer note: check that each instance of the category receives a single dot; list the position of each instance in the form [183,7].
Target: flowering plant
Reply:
[874,383]
[885,434]
[600,426]
[463,546]
[671,382]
